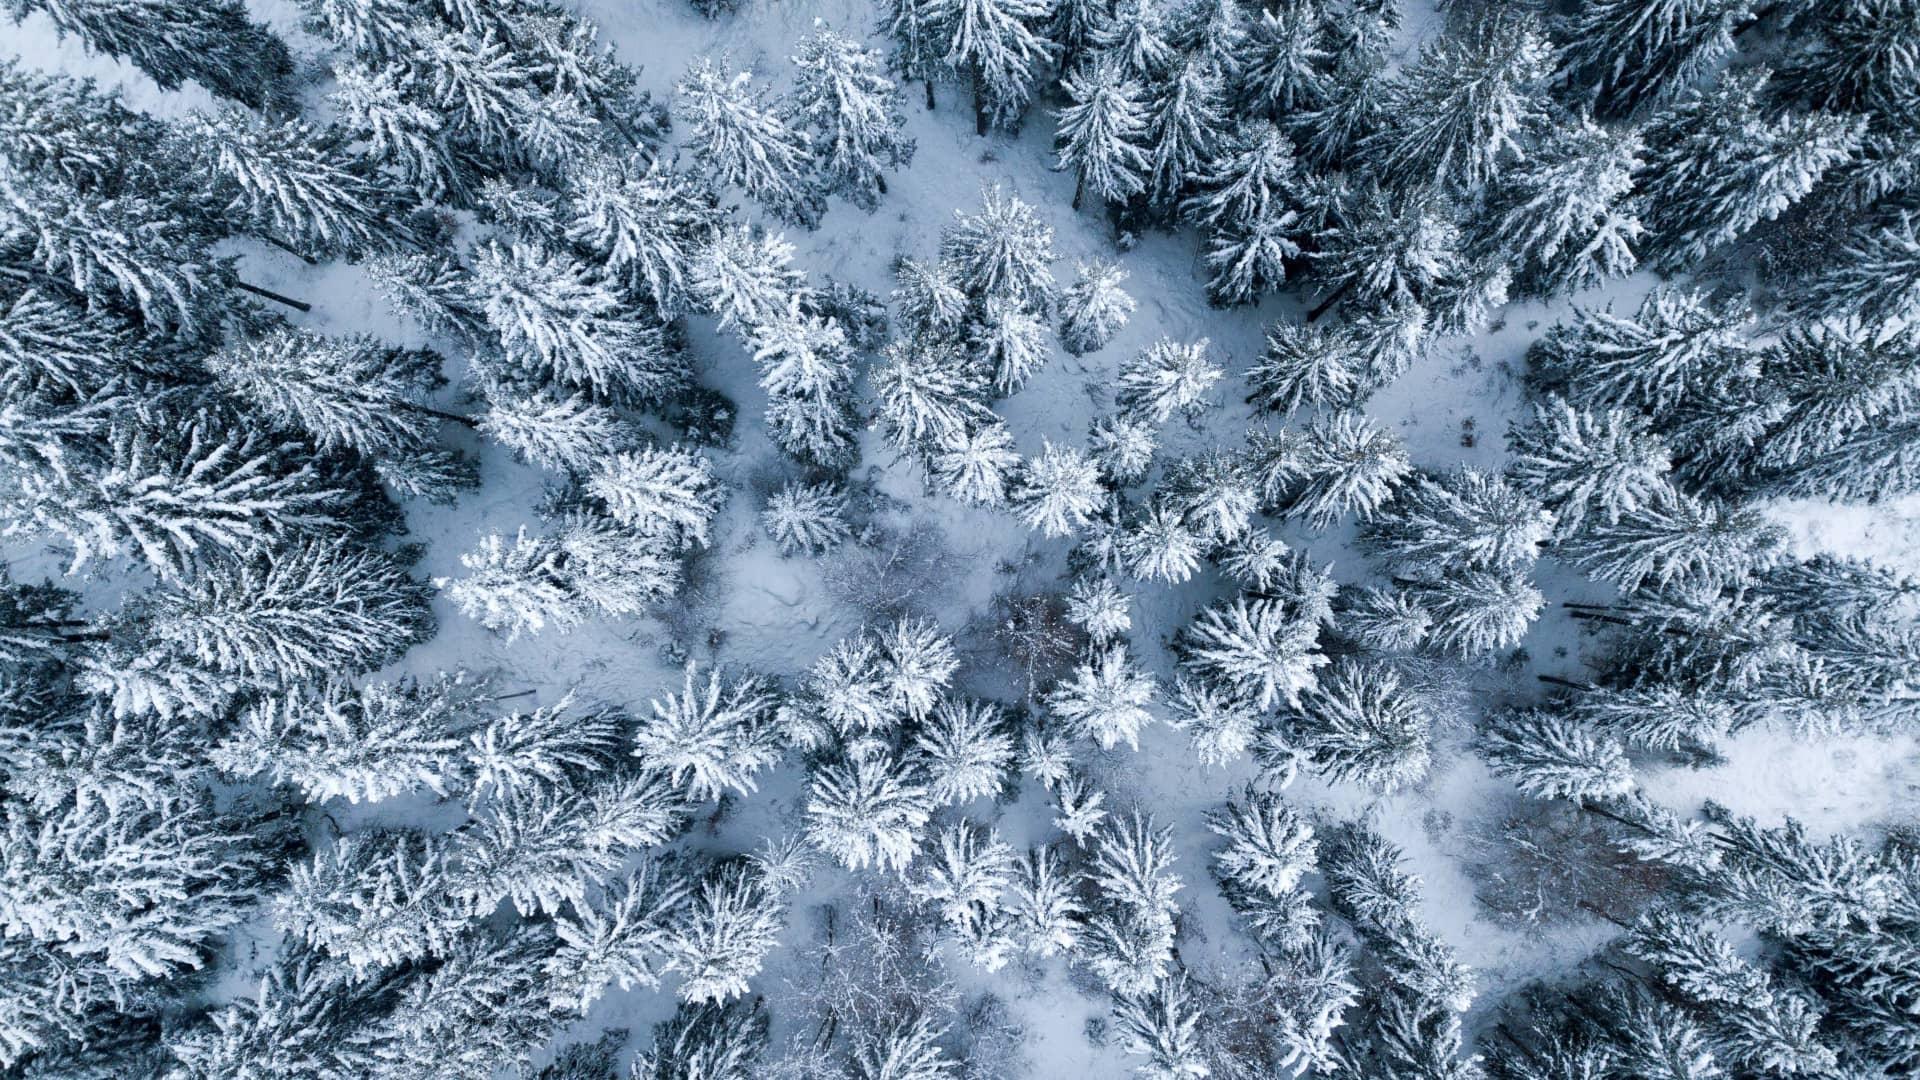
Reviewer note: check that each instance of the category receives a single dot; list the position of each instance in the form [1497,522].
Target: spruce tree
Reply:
[721,936]
[734,131]
[1305,367]
[1464,105]
[1185,113]
[746,277]
[1058,491]
[867,810]
[1587,465]
[563,433]
[711,737]
[669,495]
[1345,465]
[1256,647]
[645,220]
[997,45]
[1630,56]
[211,42]
[1459,521]
[1102,133]
[296,185]
[1094,308]
[1478,611]
[1562,214]
[1548,756]
[853,112]
[1875,275]
[1005,250]
[558,318]
[1359,722]
[807,518]
[1677,539]
[1105,698]
[1392,250]
[1167,377]
[1717,164]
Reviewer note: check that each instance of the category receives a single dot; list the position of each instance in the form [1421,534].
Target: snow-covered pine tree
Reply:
[376,742]
[1465,104]
[711,737]
[966,750]
[1360,722]
[919,41]
[1222,725]
[853,112]
[288,615]
[211,42]
[560,319]
[1102,132]
[669,495]
[296,185]
[1254,646]
[373,899]
[976,466]
[350,393]
[1044,902]
[1269,845]
[1251,178]
[590,564]
[1678,345]
[1082,808]
[802,356]
[1562,213]
[1058,491]
[1629,56]
[1306,367]
[1285,61]
[646,221]
[1845,386]
[1127,950]
[708,1042]
[1874,276]
[1005,250]
[143,251]
[172,490]
[621,940]
[1094,308]
[1677,539]
[1132,864]
[997,45]
[903,1048]
[809,518]
[1391,249]
[1123,446]
[1587,464]
[1352,109]
[721,936]
[1105,698]
[1548,755]
[917,663]
[738,134]
[746,277]
[928,298]
[867,810]
[1098,607]
[1214,494]
[1163,1026]
[1344,464]
[1386,620]
[1185,114]
[1475,612]
[1157,544]
[1717,163]
[565,433]
[1009,341]
[1168,377]
[966,869]
[1461,520]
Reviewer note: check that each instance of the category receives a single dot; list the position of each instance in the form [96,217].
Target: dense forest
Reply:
[305,772]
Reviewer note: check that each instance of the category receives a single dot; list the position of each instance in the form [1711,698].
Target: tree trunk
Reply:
[1079,189]
[979,107]
[269,294]
[291,250]
[1327,304]
[1555,680]
[451,418]
[880,183]
[929,93]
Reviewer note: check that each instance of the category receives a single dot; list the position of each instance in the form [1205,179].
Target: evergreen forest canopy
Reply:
[211,674]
